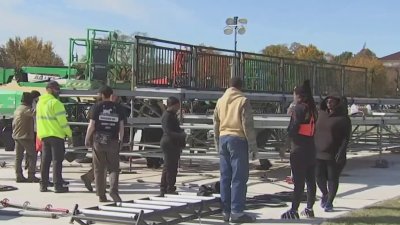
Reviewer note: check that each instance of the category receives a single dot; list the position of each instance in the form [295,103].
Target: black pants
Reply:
[170,168]
[53,150]
[328,173]
[303,171]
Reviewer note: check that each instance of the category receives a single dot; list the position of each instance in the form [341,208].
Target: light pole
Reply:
[235,25]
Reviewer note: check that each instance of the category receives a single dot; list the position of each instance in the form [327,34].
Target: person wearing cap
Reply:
[235,139]
[23,135]
[52,129]
[105,134]
[333,131]
[302,151]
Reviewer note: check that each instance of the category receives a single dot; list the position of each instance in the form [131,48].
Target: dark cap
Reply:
[52,84]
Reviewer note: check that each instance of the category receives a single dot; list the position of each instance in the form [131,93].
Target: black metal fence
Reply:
[172,64]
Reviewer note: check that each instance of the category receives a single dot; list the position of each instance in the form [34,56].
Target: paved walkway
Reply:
[361,185]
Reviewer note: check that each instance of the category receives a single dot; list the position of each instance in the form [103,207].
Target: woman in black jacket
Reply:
[302,152]
[172,143]
[333,130]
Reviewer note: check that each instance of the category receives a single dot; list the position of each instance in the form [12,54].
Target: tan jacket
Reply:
[233,116]
[23,123]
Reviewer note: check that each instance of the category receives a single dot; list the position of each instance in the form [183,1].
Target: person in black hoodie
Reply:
[172,143]
[333,130]
[302,152]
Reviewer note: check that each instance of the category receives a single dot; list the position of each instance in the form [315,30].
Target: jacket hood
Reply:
[341,109]
[231,94]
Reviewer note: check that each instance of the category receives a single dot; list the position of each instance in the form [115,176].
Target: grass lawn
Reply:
[383,213]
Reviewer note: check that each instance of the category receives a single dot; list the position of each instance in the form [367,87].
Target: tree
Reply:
[376,72]
[30,51]
[343,58]
[279,50]
[310,52]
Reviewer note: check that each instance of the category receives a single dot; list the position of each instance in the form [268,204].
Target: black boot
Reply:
[21,179]
[43,186]
[60,189]
[33,179]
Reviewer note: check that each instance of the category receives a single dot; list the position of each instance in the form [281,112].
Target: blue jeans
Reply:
[234,169]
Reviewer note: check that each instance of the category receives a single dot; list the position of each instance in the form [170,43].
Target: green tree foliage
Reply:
[343,58]
[30,51]
[279,50]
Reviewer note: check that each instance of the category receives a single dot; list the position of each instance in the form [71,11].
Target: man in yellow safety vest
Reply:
[52,129]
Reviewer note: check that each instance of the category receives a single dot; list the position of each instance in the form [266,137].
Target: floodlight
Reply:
[228,30]
[242,30]
[230,21]
[243,21]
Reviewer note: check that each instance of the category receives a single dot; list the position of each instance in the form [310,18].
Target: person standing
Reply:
[105,134]
[35,96]
[333,131]
[235,138]
[52,129]
[302,151]
[172,143]
[23,135]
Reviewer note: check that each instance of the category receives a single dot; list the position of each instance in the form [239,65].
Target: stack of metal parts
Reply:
[169,209]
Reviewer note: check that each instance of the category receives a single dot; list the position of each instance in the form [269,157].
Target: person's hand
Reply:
[253,155]
[69,141]
[253,152]
[217,146]
[120,145]
[88,143]
[339,159]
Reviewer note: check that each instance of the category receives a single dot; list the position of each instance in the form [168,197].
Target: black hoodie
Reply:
[332,132]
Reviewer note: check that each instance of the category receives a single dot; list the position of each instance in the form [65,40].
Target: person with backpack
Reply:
[332,135]
[105,134]
[302,151]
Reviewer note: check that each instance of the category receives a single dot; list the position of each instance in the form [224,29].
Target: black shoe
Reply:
[51,184]
[309,213]
[21,179]
[33,179]
[290,215]
[61,189]
[103,198]
[43,189]
[245,218]
[87,183]
[115,197]
[226,216]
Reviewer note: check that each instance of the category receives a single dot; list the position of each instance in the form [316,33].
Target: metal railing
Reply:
[179,65]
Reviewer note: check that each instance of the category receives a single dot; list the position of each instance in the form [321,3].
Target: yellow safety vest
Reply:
[51,118]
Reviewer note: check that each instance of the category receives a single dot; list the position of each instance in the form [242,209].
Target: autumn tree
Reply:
[310,52]
[376,72]
[30,51]
[296,50]
[279,50]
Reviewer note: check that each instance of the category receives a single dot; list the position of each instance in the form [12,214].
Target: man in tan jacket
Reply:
[23,135]
[235,138]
